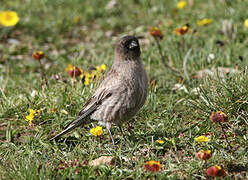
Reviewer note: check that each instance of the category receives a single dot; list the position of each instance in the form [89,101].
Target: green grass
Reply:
[175,116]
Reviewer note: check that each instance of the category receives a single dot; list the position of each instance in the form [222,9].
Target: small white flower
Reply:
[33,93]
[195,91]
[210,57]
[180,87]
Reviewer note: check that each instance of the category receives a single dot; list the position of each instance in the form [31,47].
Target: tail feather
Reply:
[74,124]
[81,120]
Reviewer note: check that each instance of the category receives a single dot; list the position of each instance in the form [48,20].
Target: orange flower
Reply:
[153,166]
[182,30]
[155,32]
[215,171]
[204,155]
[37,55]
[218,116]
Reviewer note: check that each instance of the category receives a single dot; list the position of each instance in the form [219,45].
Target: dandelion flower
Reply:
[98,68]
[153,166]
[97,131]
[32,114]
[181,4]
[32,111]
[8,18]
[103,67]
[160,141]
[30,118]
[202,139]
[246,23]
[204,21]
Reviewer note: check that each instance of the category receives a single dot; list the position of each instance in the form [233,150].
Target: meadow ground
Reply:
[178,107]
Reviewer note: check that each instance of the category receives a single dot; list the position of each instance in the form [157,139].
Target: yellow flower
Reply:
[8,18]
[98,68]
[97,131]
[181,4]
[86,81]
[246,23]
[160,141]
[87,75]
[103,67]
[69,67]
[32,111]
[32,114]
[202,139]
[204,21]
[29,118]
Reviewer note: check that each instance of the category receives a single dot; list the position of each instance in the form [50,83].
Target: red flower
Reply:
[182,30]
[204,155]
[215,171]
[218,117]
[155,32]
[37,55]
[75,72]
[153,166]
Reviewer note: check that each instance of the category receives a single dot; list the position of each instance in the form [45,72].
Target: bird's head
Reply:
[127,48]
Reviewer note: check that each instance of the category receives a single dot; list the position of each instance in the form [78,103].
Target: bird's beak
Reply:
[133,45]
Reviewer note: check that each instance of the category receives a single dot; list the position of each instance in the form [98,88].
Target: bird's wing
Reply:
[89,107]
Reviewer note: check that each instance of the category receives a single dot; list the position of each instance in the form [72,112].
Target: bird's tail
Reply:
[81,120]
[74,124]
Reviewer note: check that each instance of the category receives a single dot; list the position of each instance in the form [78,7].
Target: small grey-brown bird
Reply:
[122,92]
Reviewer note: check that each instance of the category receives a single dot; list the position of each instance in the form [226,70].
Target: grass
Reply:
[83,33]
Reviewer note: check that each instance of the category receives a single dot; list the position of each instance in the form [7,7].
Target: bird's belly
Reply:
[119,107]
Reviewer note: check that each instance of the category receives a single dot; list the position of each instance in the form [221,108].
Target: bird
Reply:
[120,95]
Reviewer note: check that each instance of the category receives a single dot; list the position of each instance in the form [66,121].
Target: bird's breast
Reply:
[129,95]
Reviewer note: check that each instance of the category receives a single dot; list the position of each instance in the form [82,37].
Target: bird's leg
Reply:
[108,126]
[110,134]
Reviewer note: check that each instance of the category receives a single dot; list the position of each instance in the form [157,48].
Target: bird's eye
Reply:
[133,45]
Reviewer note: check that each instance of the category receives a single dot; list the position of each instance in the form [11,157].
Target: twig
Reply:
[223,131]
[43,73]
[183,43]
[162,58]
